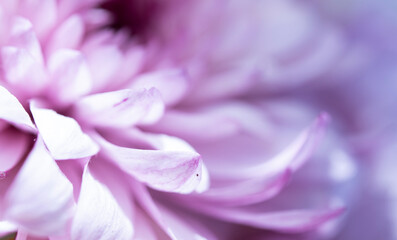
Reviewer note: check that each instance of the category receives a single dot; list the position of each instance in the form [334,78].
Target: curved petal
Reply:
[68,35]
[122,108]
[21,69]
[291,158]
[98,215]
[171,224]
[289,221]
[247,192]
[23,36]
[62,135]
[70,75]
[13,146]
[172,84]
[173,171]
[214,122]
[165,143]
[103,70]
[13,112]
[40,199]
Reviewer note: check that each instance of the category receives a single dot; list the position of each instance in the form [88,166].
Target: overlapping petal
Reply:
[13,112]
[14,146]
[40,199]
[62,135]
[123,108]
[98,216]
[174,171]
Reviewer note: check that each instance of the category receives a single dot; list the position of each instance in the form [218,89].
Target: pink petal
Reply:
[40,199]
[122,108]
[21,68]
[62,135]
[13,112]
[42,13]
[293,221]
[96,18]
[117,181]
[103,70]
[247,192]
[173,171]
[172,84]
[159,142]
[13,146]
[23,36]
[146,229]
[226,84]
[184,227]
[98,216]
[195,126]
[70,75]
[293,156]
[173,225]
[68,35]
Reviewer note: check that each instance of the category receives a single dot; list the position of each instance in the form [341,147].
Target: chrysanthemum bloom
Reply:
[151,120]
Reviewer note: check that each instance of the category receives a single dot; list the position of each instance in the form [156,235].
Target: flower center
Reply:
[135,16]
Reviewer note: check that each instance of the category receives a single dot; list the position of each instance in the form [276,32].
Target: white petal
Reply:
[98,215]
[62,135]
[13,112]
[173,171]
[40,199]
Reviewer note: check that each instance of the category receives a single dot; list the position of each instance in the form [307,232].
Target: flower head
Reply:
[175,120]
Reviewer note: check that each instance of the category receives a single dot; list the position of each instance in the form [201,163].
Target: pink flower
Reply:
[180,120]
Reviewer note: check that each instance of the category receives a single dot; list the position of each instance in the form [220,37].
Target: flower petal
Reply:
[40,199]
[165,143]
[171,224]
[294,155]
[13,112]
[23,36]
[122,108]
[102,69]
[62,135]
[21,68]
[173,171]
[172,84]
[251,191]
[68,34]
[292,221]
[13,145]
[70,74]
[98,216]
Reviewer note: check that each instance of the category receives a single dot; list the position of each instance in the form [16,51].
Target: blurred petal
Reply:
[68,35]
[71,77]
[98,215]
[122,108]
[103,70]
[62,135]
[247,192]
[291,221]
[172,84]
[21,68]
[40,199]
